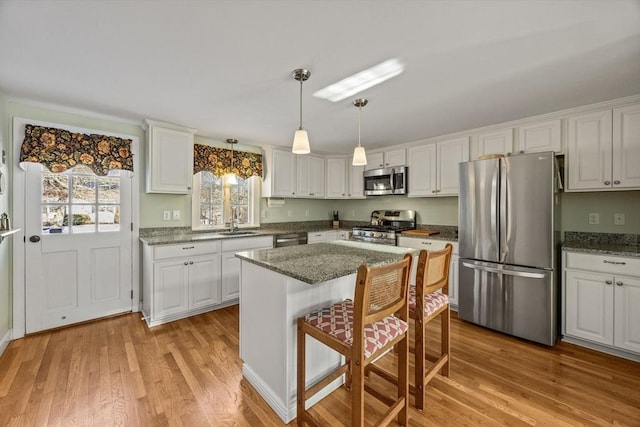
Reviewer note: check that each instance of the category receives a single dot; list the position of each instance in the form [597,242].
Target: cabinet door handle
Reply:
[186,263]
[608,282]
[607,183]
[191,262]
[426,243]
[606,261]
[616,182]
[188,247]
[619,283]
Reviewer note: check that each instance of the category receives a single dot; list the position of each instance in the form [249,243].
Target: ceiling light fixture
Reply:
[359,156]
[361,81]
[231,177]
[301,139]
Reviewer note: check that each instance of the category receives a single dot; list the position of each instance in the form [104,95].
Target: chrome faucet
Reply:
[233,221]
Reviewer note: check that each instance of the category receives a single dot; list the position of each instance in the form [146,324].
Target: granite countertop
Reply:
[447,237]
[602,243]
[602,248]
[187,237]
[321,262]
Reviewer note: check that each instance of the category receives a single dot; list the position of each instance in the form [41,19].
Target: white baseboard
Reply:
[603,348]
[286,413]
[6,339]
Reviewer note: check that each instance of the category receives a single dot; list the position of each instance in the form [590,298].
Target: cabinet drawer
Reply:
[247,243]
[603,263]
[428,244]
[185,249]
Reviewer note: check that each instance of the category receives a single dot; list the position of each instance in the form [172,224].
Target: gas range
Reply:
[385,226]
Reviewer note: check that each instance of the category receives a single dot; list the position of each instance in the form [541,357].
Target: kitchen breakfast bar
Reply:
[279,285]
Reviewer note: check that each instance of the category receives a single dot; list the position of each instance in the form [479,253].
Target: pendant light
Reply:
[231,176]
[359,156]
[301,139]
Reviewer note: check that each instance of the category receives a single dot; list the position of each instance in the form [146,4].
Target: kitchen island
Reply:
[279,285]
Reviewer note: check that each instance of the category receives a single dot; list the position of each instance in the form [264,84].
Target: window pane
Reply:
[55,188]
[108,190]
[83,189]
[53,219]
[109,218]
[243,214]
[84,218]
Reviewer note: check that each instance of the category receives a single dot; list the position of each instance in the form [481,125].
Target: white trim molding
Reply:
[6,339]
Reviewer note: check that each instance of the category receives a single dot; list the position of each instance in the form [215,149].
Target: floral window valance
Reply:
[59,150]
[218,161]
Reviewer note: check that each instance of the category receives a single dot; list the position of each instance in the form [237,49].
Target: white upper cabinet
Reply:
[336,177]
[386,159]
[310,176]
[494,142]
[169,158]
[343,180]
[433,168]
[280,173]
[355,187]
[290,175]
[625,171]
[603,150]
[542,136]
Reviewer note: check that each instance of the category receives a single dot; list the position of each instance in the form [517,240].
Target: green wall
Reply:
[576,208]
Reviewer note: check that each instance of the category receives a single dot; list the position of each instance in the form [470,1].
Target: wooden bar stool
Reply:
[362,330]
[428,300]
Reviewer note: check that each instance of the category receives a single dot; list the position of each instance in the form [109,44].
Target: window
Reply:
[213,199]
[78,201]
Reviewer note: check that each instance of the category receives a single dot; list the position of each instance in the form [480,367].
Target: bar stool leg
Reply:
[301,374]
[419,362]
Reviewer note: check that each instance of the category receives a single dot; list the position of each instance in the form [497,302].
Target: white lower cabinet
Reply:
[601,298]
[181,280]
[328,236]
[436,245]
[230,284]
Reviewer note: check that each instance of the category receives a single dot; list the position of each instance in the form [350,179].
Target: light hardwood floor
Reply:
[116,371]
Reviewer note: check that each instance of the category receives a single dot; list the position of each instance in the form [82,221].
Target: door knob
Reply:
[34,239]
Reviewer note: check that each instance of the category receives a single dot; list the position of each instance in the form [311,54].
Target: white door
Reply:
[449,155]
[588,162]
[78,257]
[626,147]
[627,314]
[422,170]
[337,178]
[204,281]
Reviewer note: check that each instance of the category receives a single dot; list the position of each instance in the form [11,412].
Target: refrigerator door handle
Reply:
[504,271]
[505,210]
[494,211]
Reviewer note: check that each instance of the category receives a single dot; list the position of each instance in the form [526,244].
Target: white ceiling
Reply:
[223,67]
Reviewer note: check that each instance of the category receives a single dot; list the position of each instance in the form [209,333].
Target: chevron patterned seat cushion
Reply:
[432,302]
[337,321]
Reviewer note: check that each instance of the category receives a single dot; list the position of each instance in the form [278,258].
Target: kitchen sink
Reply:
[237,233]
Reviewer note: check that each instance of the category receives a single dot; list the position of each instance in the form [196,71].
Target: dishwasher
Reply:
[290,239]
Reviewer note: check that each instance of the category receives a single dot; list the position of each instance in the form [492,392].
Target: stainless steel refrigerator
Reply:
[507,245]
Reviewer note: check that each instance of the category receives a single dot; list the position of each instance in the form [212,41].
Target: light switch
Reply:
[176,215]
[594,218]
[166,215]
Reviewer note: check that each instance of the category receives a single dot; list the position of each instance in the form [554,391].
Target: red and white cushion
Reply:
[432,302]
[337,321]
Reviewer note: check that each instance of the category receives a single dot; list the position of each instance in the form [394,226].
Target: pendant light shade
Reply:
[301,139]
[231,177]
[359,155]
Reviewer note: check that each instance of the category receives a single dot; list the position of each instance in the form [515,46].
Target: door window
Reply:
[78,201]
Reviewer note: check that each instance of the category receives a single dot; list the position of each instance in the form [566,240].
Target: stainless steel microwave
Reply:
[379,182]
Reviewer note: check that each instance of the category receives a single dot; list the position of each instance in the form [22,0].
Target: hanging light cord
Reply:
[359,122]
[300,103]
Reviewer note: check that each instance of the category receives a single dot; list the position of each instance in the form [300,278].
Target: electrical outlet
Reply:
[166,215]
[594,218]
[618,219]
[176,215]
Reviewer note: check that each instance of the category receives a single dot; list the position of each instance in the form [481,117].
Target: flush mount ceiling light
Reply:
[231,177]
[361,81]
[301,139]
[359,156]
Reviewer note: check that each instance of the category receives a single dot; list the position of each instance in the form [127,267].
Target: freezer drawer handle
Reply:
[507,272]
[614,262]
